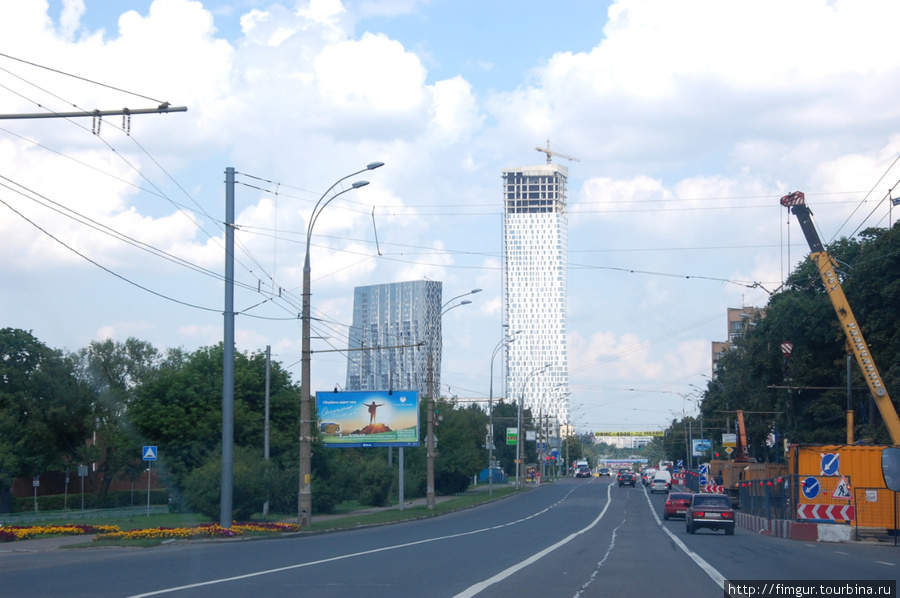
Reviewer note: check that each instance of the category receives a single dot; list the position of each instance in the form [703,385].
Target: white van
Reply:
[662,481]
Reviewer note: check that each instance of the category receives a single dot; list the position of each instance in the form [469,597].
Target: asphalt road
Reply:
[576,538]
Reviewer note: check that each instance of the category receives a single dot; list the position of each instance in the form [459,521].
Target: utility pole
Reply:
[225,506]
[429,442]
[266,427]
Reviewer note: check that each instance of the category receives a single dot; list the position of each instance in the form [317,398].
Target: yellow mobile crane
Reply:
[826,265]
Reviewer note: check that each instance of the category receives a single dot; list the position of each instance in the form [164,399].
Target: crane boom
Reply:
[826,266]
[550,153]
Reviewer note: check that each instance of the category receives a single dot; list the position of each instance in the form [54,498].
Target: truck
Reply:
[827,267]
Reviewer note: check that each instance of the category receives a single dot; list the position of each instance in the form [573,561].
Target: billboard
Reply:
[700,447]
[369,418]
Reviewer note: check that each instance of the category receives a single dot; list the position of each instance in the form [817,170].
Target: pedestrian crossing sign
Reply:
[149,453]
[842,491]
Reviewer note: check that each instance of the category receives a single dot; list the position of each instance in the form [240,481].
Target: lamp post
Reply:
[304,498]
[472,292]
[504,341]
[429,441]
[519,439]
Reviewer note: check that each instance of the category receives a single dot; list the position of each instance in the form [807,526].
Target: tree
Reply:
[114,371]
[45,411]
[803,396]
[180,409]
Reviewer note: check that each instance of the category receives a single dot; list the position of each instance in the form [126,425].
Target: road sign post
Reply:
[82,473]
[149,455]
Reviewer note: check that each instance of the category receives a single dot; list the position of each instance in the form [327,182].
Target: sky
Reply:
[688,120]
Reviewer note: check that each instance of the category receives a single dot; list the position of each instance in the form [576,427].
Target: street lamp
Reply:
[504,341]
[429,441]
[519,439]
[472,292]
[304,498]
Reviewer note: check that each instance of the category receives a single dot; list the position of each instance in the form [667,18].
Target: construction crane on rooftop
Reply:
[550,153]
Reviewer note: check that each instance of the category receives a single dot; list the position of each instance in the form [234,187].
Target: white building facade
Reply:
[535,234]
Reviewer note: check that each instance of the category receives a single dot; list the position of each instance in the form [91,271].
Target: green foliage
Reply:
[202,487]
[44,409]
[180,409]
[803,396]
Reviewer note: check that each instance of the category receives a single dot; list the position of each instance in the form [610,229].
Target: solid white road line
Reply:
[709,569]
[481,586]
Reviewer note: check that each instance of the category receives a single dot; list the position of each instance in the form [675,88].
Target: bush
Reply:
[202,487]
[374,483]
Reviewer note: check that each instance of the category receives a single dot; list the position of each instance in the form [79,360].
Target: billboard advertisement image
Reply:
[369,418]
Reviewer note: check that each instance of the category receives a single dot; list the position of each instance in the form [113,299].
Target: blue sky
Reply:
[687,126]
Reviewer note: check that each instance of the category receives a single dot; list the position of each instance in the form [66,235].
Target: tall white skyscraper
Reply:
[535,234]
[387,320]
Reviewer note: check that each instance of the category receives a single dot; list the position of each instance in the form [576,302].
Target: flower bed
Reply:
[15,532]
[206,530]
[112,532]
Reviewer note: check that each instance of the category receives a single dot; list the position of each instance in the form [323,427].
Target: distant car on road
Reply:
[710,511]
[676,504]
[662,481]
[626,478]
[583,472]
[604,471]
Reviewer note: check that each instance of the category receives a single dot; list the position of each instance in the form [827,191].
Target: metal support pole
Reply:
[225,507]
[149,463]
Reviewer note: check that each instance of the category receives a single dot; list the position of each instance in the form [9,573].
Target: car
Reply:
[662,481]
[710,511]
[676,504]
[647,476]
[626,477]
[604,471]
[583,472]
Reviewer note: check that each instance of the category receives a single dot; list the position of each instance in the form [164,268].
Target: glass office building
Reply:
[387,320]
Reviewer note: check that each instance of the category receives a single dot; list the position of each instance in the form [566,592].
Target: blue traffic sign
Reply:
[703,480]
[810,488]
[680,463]
[149,453]
[831,464]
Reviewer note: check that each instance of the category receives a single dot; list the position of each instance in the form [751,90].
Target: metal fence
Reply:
[78,515]
[772,499]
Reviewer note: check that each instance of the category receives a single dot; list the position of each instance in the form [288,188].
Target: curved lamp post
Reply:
[304,499]
[504,341]
[429,441]
[519,440]
[472,292]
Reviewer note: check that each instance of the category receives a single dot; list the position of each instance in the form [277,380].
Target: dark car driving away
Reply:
[583,472]
[626,477]
[712,511]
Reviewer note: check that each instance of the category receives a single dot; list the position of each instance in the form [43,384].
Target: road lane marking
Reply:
[707,568]
[481,586]
[350,556]
[888,564]
[612,544]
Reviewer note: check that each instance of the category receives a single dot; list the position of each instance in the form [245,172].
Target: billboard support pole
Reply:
[400,463]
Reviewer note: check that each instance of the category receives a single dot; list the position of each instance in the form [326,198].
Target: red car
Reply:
[676,504]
